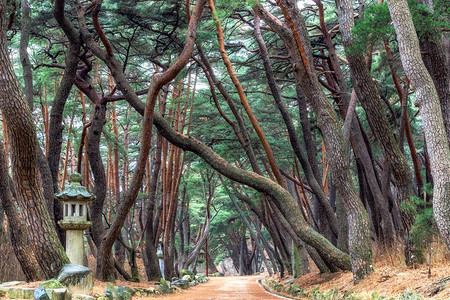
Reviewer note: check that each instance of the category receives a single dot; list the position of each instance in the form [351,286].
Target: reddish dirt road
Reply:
[222,288]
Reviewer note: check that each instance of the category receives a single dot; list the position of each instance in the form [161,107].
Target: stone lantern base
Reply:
[74,239]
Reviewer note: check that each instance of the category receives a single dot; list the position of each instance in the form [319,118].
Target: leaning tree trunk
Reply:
[298,148]
[18,230]
[47,247]
[151,262]
[437,64]
[428,101]
[371,102]
[56,114]
[297,42]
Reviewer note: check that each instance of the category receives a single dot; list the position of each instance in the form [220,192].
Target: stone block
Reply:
[83,297]
[61,294]
[20,293]
[11,283]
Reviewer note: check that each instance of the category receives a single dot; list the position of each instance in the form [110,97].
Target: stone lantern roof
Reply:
[75,191]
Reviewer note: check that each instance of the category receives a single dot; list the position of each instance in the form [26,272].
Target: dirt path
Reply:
[245,287]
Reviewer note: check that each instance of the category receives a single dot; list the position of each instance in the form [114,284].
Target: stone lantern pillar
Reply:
[75,198]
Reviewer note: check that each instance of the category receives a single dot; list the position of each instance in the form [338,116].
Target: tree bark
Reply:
[23,47]
[428,100]
[437,65]
[152,267]
[44,170]
[370,100]
[18,230]
[48,249]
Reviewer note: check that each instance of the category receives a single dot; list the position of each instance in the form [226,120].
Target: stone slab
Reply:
[11,283]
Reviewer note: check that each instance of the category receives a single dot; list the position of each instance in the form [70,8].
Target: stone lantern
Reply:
[201,257]
[75,198]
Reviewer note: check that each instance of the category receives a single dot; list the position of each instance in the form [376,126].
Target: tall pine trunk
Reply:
[428,100]
[47,247]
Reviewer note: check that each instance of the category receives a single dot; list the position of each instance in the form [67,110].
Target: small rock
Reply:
[184,272]
[140,292]
[40,294]
[187,278]
[289,281]
[52,284]
[294,289]
[184,284]
[19,293]
[163,286]
[111,292]
[200,278]
[124,292]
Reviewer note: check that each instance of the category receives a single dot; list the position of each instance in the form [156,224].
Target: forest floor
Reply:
[390,278]
[385,281]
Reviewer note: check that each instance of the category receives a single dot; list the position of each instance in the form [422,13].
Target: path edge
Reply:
[268,290]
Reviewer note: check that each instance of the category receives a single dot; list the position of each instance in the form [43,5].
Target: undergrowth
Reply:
[334,294]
